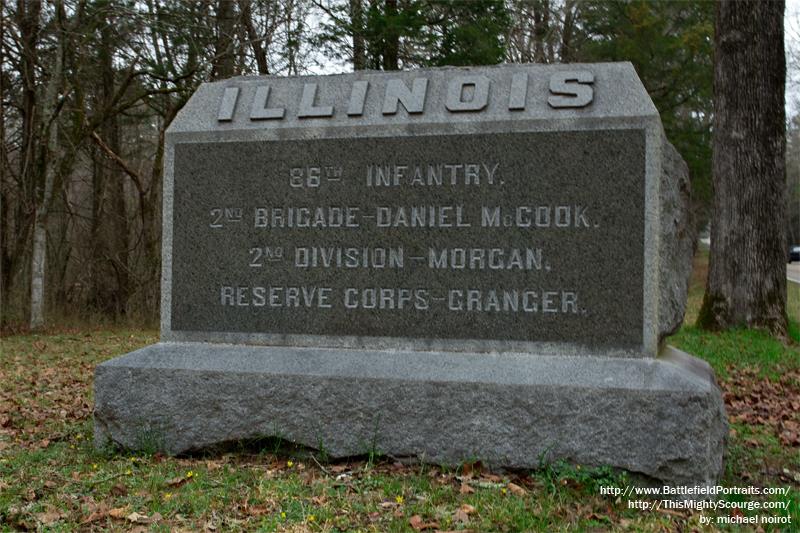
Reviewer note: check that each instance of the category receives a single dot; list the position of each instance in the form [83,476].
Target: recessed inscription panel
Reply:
[533,237]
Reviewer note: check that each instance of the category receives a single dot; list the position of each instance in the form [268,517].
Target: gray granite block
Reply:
[244,147]
[678,240]
[661,418]
[518,319]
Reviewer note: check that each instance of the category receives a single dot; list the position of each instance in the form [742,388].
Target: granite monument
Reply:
[448,264]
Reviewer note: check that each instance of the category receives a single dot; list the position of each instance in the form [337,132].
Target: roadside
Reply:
[793,272]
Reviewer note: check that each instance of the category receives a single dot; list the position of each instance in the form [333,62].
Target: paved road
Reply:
[793,272]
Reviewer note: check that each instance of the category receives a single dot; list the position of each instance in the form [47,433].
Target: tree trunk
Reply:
[747,273]
[357,29]
[391,44]
[567,32]
[49,168]
[115,184]
[224,58]
[540,28]
[256,40]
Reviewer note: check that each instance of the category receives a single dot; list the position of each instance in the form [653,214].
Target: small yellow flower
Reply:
[167,496]
[189,474]
[290,464]
[283,515]
[311,518]
[78,436]
[399,499]
[128,472]
[503,490]
[71,446]
[94,466]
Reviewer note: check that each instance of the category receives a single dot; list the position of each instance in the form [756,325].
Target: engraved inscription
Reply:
[468,93]
[518,236]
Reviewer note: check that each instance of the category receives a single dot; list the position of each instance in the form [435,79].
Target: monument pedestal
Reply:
[663,418]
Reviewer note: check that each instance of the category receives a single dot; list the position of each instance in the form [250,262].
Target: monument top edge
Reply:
[446,69]
[436,96]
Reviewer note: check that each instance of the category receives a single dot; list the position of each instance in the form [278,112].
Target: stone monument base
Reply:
[663,418]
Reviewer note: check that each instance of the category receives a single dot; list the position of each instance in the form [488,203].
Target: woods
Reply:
[90,87]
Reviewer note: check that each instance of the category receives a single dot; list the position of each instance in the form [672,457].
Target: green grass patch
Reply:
[738,348]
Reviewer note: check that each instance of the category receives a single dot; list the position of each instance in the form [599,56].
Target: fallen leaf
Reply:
[138,518]
[118,512]
[467,469]
[119,490]
[466,489]
[418,524]
[516,489]
[50,516]
[99,512]
[460,517]
[213,465]
[177,482]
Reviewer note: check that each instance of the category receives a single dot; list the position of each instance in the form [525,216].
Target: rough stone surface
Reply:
[678,240]
[660,418]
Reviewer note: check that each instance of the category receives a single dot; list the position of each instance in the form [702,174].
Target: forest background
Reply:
[88,88]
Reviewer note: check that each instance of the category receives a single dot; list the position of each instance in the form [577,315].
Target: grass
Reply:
[53,478]
[738,348]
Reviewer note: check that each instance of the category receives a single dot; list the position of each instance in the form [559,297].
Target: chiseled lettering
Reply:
[226,295]
[490,217]
[539,216]
[518,94]
[469,92]
[260,111]
[305,217]
[454,168]
[431,216]
[358,97]
[227,106]
[486,258]
[334,257]
[512,301]
[580,217]
[457,90]
[490,172]
[397,92]
[571,89]
[386,298]
[307,107]
[543,216]
[563,216]
[472,174]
